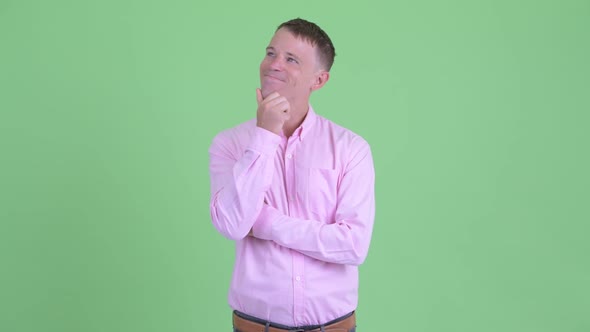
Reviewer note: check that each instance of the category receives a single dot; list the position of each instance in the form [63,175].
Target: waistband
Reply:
[247,323]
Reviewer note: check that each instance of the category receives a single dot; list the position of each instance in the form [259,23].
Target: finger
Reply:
[272,103]
[282,107]
[271,96]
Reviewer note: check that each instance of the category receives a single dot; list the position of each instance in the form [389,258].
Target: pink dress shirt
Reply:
[310,202]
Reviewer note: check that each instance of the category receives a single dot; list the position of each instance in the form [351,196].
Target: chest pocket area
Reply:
[318,190]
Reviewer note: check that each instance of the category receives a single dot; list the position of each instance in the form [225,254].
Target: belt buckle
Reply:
[297,330]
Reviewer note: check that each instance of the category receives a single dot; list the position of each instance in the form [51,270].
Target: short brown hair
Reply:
[312,33]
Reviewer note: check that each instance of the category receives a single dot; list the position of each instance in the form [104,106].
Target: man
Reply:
[296,193]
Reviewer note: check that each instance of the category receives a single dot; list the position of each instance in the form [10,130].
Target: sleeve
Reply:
[238,184]
[344,241]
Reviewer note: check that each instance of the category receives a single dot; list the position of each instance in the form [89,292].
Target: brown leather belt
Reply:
[245,323]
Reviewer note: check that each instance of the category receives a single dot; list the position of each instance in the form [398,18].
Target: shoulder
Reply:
[234,136]
[237,131]
[341,134]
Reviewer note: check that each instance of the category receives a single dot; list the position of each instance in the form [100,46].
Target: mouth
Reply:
[273,78]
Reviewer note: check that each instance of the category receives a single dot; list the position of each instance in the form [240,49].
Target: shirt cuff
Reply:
[262,228]
[264,141]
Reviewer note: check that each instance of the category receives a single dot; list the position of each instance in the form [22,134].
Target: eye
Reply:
[290,59]
[269,53]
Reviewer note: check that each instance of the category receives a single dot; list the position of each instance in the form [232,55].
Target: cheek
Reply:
[304,81]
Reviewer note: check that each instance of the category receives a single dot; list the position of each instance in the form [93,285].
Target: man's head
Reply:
[297,61]
[314,35]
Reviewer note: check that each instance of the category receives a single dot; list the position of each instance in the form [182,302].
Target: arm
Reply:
[238,183]
[346,240]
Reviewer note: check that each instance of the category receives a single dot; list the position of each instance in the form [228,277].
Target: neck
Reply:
[298,113]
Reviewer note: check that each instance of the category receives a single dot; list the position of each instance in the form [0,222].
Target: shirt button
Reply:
[298,278]
[289,156]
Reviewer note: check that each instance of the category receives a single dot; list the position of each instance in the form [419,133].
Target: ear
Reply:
[321,78]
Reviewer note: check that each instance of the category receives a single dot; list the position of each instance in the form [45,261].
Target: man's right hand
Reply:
[272,111]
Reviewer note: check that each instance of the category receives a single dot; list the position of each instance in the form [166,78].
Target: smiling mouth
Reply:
[273,78]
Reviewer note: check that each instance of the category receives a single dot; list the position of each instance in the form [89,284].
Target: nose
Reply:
[276,63]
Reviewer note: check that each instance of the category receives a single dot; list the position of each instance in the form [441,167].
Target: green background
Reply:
[476,111]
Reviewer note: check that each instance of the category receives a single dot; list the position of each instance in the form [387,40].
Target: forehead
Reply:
[285,41]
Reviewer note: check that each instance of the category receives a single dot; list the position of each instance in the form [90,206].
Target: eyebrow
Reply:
[288,53]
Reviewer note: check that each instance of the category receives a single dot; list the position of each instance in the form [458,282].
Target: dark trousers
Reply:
[351,330]
[330,326]
[242,320]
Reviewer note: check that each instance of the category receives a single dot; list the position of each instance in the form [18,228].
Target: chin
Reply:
[267,91]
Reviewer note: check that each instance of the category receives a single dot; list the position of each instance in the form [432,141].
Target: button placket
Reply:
[289,160]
